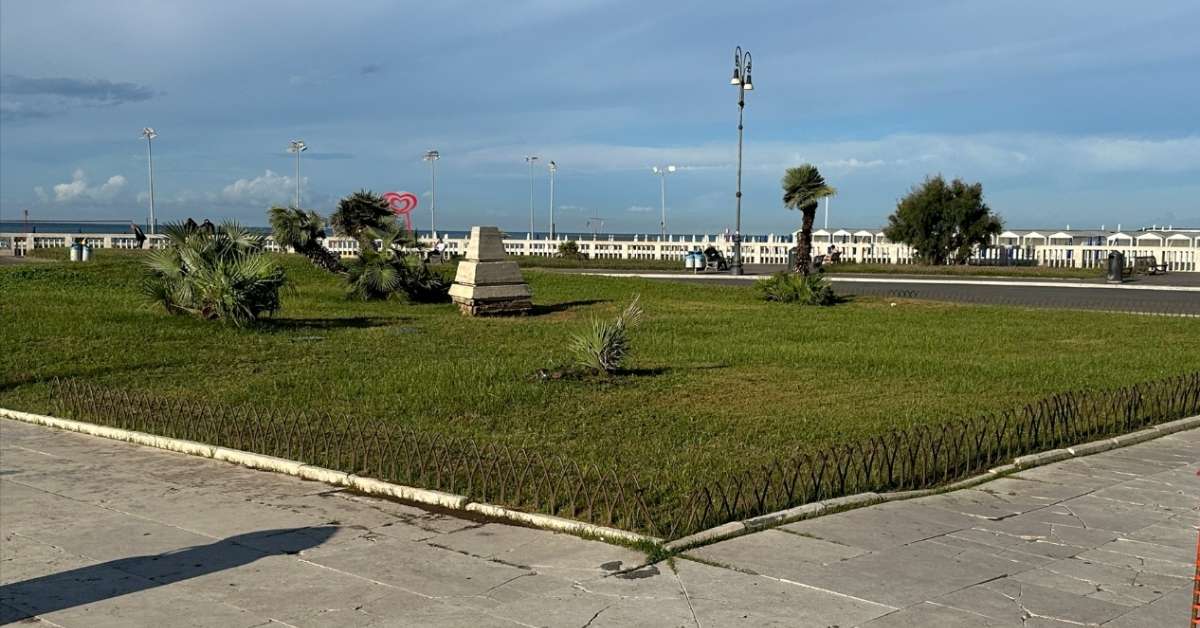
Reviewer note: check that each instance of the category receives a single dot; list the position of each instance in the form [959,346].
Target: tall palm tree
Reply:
[360,212]
[303,231]
[803,188]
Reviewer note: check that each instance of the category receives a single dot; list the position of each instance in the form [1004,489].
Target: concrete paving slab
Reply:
[1016,602]
[928,614]
[258,546]
[774,553]
[1119,585]
[767,602]
[883,526]
[1169,610]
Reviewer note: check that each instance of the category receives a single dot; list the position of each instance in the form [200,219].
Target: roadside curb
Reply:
[816,509]
[301,470]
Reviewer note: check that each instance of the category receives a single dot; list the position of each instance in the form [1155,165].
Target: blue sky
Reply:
[1069,112]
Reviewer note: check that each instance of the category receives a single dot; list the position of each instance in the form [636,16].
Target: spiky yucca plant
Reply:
[604,346]
[222,274]
[303,231]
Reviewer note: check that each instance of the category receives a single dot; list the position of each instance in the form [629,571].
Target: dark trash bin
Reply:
[1116,267]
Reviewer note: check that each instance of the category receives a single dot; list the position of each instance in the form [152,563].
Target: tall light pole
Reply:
[662,172]
[297,146]
[530,159]
[553,169]
[741,78]
[432,156]
[150,134]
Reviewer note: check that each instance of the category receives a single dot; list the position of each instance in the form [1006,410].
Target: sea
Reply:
[64,226]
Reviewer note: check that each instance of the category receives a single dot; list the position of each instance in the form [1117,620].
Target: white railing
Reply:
[1177,256]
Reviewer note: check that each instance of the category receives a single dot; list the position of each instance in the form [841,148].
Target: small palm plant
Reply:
[385,268]
[361,212]
[303,231]
[218,274]
[786,287]
[604,347]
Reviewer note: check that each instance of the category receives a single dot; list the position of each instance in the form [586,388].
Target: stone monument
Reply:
[486,283]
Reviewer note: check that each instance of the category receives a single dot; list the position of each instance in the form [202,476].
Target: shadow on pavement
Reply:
[102,581]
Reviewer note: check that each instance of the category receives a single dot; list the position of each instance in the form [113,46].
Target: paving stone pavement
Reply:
[99,533]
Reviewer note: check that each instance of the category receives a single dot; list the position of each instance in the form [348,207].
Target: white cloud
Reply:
[640,209]
[976,155]
[78,189]
[261,190]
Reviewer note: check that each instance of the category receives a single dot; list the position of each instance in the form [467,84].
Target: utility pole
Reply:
[530,159]
[741,78]
[432,156]
[150,134]
[553,171]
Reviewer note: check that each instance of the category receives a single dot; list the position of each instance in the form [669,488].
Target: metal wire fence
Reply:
[526,479]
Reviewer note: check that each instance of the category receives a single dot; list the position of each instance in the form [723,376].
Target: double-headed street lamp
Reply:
[662,172]
[530,159]
[432,156]
[553,167]
[741,78]
[150,134]
[297,146]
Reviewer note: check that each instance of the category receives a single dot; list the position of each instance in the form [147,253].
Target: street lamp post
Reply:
[530,159]
[741,78]
[662,172]
[432,156]
[150,134]
[553,169]
[297,146]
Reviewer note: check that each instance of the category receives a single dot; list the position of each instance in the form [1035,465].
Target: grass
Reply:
[718,379]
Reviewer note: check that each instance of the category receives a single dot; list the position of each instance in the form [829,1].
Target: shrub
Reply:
[787,287]
[387,269]
[569,250]
[219,274]
[604,347]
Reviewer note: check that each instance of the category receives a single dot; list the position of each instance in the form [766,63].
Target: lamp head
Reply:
[553,166]
[149,133]
[432,155]
[297,146]
[671,168]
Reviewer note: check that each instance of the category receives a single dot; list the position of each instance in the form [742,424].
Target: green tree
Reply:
[386,267]
[359,212]
[569,250]
[943,222]
[215,274]
[303,231]
[803,188]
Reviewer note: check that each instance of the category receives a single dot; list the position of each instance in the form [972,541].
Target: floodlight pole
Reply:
[741,78]
[553,170]
[432,156]
[150,134]
[529,159]
[662,172]
[297,146]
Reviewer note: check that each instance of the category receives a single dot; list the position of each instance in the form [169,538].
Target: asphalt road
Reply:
[1177,295]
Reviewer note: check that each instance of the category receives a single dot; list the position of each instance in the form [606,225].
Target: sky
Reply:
[1072,112]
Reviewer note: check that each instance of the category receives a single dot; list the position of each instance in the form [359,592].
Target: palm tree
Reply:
[359,212]
[803,188]
[218,274]
[303,231]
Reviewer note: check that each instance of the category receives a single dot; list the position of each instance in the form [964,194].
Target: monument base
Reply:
[495,307]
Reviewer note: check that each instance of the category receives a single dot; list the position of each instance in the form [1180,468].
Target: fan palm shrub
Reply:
[604,347]
[221,274]
[360,213]
[803,188]
[787,287]
[303,231]
[386,267]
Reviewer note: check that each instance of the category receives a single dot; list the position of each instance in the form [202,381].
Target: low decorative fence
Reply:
[525,479]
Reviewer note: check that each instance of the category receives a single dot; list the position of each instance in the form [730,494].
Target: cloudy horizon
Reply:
[1079,113]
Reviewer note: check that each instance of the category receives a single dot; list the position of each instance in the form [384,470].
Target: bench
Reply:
[1148,265]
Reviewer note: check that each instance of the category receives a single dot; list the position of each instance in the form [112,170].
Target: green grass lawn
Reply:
[719,380]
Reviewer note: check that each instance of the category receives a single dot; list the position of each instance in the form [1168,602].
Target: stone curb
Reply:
[807,511]
[329,476]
